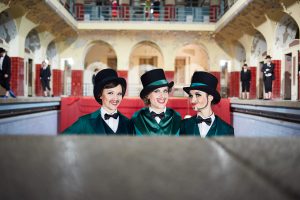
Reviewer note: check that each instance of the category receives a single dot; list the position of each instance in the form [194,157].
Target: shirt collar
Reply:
[103,112]
[151,110]
[212,116]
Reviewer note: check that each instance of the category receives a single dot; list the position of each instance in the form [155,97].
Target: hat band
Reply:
[198,84]
[159,82]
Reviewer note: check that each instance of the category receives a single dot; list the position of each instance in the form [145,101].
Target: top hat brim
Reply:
[99,86]
[206,89]
[268,57]
[145,91]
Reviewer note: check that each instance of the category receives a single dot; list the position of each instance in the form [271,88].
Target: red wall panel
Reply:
[17,76]
[57,82]
[77,83]
[277,82]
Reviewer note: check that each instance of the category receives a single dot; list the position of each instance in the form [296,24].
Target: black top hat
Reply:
[104,77]
[2,50]
[152,80]
[205,82]
[268,56]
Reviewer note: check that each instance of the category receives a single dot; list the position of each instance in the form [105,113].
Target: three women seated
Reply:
[155,118]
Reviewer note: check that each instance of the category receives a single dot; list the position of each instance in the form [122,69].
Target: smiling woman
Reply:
[156,118]
[109,90]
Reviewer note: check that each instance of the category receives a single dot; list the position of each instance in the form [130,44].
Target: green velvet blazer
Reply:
[219,128]
[145,125]
[93,124]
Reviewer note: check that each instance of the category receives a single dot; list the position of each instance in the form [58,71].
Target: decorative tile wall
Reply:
[277,82]
[77,83]
[234,84]
[253,83]
[79,11]
[57,82]
[17,76]
[170,13]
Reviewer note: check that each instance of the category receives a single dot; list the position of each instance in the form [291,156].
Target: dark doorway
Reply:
[287,77]
[29,77]
[260,89]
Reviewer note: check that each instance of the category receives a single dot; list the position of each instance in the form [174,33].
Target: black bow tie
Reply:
[160,115]
[200,120]
[107,116]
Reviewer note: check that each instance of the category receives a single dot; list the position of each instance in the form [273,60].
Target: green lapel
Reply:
[97,123]
[144,124]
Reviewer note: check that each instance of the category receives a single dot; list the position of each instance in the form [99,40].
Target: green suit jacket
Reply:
[219,128]
[144,124]
[93,124]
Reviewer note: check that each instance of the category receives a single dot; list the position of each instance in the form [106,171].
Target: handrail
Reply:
[169,13]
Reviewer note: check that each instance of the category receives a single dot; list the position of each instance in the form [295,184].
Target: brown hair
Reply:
[146,100]
[109,85]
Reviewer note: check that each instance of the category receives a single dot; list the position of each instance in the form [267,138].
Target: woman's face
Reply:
[111,98]
[199,99]
[159,98]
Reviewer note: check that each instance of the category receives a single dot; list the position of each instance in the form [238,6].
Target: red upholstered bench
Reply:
[74,107]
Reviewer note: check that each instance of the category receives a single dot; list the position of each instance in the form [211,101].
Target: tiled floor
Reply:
[73,167]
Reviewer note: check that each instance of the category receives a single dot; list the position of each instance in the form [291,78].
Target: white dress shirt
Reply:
[204,128]
[1,61]
[267,73]
[111,122]
[157,119]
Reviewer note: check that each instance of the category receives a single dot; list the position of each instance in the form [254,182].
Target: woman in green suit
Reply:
[202,94]
[109,90]
[156,118]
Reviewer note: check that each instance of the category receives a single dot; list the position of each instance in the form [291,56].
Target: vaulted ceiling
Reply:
[40,13]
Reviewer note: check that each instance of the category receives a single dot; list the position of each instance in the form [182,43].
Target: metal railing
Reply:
[138,13]
[91,12]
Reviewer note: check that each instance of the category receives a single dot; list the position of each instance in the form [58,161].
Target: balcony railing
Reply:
[91,12]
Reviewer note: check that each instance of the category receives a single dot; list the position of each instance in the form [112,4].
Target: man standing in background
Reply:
[5,72]
[268,75]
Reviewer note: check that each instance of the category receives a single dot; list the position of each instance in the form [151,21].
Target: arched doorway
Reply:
[32,45]
[258,52]
[144,56]
[189,58]
[99,55]
[286,32]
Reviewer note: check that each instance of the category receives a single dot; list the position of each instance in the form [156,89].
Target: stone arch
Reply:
[8,28]
[240,55]
[100,55]
[52,54]
[189,58]
[258,49]
[32,41]
[286,32]
[144,56]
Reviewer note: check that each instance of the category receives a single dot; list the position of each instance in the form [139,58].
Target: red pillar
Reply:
[277,82]
[214,10]
[79,11]
[170,12]
[234,84]
[77,83]
[253,83]
[125,11]
[57,82]
[17,76]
